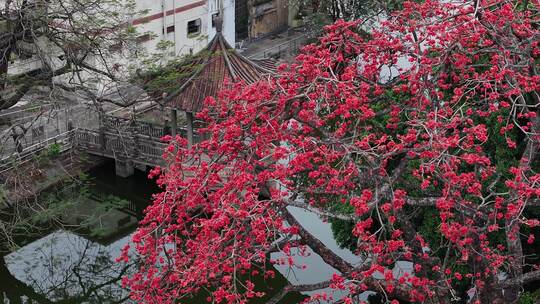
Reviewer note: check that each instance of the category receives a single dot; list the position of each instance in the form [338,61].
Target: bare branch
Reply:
[299,288]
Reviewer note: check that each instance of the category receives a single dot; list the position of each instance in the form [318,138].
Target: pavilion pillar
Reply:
[189,117]
[174,122]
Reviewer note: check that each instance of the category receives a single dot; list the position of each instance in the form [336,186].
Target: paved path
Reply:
[278,44]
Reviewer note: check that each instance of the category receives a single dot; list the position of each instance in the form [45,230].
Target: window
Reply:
[194,27]
[144,38]
[259,2]
[214,17]
[170,29]
[117,47]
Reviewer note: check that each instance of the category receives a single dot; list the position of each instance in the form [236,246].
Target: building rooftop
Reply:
[203,75]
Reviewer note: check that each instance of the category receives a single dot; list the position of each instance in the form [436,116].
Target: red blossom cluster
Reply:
[437,108]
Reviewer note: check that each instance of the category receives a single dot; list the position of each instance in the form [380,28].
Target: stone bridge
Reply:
[129,150]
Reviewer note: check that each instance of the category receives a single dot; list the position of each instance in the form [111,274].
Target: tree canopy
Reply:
[423,133]
[63,46]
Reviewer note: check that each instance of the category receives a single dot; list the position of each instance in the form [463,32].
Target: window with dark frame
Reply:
[113,48]
[214,17]
[144,38]
[170,29]
[194,27]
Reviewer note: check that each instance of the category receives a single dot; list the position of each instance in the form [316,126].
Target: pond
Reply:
[70,266]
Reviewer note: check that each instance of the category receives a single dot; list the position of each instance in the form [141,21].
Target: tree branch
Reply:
[326,254]
[319,212]
[332,259]
[524,279]
[298,288]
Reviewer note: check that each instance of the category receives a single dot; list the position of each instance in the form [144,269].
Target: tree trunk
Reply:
[492,293]
[4,65]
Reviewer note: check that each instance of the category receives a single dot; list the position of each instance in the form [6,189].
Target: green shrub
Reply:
[54,150]
[530,297]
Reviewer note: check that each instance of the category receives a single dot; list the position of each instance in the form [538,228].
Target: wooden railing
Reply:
[140,127]
[29,153]
[121,138]
[134,147]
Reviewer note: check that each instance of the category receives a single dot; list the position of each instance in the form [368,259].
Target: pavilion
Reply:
[203,75]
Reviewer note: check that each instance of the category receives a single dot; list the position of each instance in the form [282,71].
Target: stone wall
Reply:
[267,16]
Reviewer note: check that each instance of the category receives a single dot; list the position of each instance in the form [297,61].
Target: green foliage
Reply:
[93,223]
[525,5]
[342,232]
[42,158]
[499,152]
[131,29]
[66,204]
[113,202]
[530,297]
[61,200]
[329,11]
[429,228]
[51,152]
[54,150]
[340,208]
[315,23]
[164,45]
[56,207]
[158,78]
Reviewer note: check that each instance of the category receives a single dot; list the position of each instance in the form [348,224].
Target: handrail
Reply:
[8,113]
[53,139]
[265,51]
[120,144]
[20,64]
[141,125]
[28,152]
[151,148]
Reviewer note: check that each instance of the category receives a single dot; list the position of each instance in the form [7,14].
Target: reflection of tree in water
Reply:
[342,231]
[63,268]
[14,291]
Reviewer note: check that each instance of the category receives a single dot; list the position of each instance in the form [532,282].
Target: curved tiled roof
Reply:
[219,62]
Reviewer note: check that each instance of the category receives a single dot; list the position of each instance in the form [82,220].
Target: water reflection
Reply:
[316,269]
[67,268]
[79,266]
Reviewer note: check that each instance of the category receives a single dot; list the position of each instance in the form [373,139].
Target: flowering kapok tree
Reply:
[434,115]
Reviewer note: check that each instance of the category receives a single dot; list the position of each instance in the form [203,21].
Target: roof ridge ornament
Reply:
[218,18]
[218,22]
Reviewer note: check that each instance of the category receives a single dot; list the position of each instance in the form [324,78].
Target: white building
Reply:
[188,24]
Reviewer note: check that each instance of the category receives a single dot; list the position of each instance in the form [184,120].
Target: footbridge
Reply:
[132,144]
[129,150]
